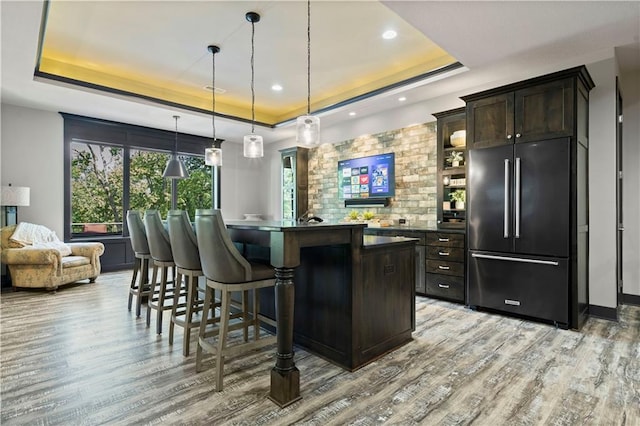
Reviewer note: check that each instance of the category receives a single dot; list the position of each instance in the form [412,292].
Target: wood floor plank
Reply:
[79,357]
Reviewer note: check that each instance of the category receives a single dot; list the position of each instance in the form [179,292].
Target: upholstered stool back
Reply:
[140,286]
[186,256]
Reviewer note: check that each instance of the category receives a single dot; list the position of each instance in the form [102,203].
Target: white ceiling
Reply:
[495,41]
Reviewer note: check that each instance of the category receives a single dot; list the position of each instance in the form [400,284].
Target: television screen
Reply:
[367,177]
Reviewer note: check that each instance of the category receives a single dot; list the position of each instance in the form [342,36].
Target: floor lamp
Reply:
[11,198]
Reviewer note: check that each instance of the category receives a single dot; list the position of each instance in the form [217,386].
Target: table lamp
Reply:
[10,199]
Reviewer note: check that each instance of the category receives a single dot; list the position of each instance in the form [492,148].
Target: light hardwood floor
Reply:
[78,357]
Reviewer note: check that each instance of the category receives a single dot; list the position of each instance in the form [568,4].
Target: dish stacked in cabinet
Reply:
[452,175]
[445,266]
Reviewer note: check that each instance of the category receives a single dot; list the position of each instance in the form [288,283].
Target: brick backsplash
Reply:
[416,172]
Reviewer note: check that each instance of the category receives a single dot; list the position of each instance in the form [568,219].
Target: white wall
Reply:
[244,187]
[33,155]
[630,85]
[602,184]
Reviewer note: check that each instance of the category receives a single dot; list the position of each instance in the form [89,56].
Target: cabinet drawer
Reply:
[445,239]
[446,268]
[445,286]
[397,233]
[451,254]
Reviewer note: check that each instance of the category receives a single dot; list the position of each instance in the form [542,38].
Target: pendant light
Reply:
[253,146]
[213,155]
[308,126]
[175,167]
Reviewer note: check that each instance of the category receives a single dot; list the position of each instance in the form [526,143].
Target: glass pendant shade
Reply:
[175,169]
[213,157]
[308,130]
[253,147]
[308,126]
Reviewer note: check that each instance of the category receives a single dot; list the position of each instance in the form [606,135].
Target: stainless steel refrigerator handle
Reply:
[515,259]
[517,231]
[506,198]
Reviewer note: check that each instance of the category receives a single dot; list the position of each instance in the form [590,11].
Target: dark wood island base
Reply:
[353,300]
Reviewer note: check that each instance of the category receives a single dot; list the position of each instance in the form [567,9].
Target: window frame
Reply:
[127,136]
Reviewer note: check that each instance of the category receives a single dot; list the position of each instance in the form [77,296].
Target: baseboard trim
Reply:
[631,299]
[603,312]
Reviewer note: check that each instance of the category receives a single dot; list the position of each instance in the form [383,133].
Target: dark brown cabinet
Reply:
[445,269]
[295,191]
[440,260]
[452,176]
[541,111]
[420,250]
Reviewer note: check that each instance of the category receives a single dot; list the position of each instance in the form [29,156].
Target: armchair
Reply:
[46,267]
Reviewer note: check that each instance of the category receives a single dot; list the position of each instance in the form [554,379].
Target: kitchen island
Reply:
[353,299]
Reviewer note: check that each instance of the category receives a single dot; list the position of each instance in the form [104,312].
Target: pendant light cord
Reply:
[253,93]
[175,151]
[308,57]
[213,94]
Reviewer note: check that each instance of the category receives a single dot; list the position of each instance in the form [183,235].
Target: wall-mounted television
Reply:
[367,177]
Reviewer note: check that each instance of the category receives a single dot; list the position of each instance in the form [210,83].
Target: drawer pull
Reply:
[443,285]
[445,268]
[443,240]
[443,253]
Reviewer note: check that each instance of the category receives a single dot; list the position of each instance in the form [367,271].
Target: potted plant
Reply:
[458,197]
[368,216]
[354,215]
[455,159]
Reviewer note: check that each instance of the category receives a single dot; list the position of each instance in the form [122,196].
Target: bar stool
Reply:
[161,299]
[228,271]
[141,287]
[184,246]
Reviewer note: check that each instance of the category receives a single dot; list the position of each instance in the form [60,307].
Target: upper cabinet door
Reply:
[544,111]
[490,121]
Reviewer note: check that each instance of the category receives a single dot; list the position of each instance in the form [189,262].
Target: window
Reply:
[111,168]
[147,188]
[96,188]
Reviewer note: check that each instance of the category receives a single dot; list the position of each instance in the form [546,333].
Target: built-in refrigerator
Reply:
[518,208]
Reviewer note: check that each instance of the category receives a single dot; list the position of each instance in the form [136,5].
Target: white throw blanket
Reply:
[38,236]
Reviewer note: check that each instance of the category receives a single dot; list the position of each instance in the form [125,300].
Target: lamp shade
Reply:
[253,147]
[175,169]
[213,157]
[15,196]
[308,130]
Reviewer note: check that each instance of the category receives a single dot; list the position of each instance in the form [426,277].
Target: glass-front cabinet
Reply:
[294,182]
[452,175]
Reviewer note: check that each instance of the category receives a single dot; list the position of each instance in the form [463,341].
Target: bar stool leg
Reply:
[174,308]
[152,293]
[208,296]
[161,297]
[192,290]
[222,337]
[142,282]
[255,320]
[132,287]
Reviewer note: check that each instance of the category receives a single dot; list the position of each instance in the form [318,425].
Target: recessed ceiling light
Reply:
[276,88]
[402,98]
[218,90]
[352,113]
[389,34]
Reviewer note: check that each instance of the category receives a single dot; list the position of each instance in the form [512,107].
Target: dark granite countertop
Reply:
[374,241]
[415,227]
